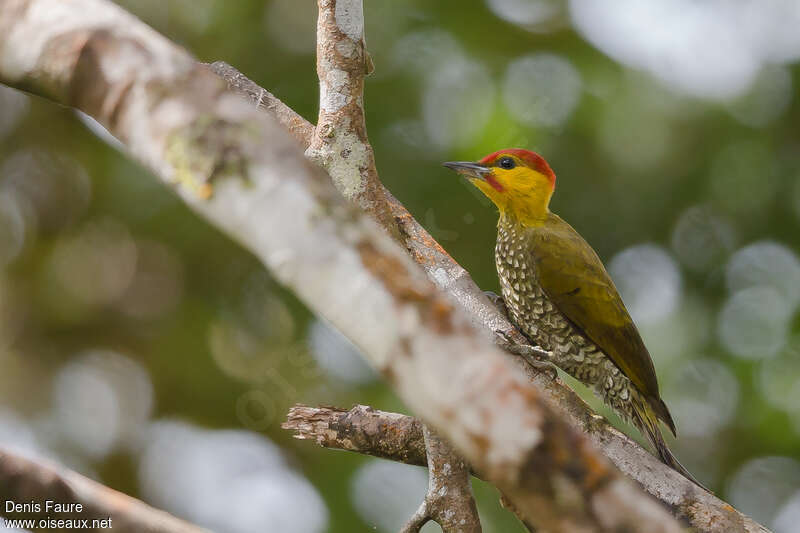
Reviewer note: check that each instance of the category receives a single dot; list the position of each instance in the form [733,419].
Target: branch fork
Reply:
[339,143]
[449,501]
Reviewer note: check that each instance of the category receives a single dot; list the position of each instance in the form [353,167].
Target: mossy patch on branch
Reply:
[207,149]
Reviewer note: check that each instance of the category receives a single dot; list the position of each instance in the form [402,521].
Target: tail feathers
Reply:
[648,424]
[662,412]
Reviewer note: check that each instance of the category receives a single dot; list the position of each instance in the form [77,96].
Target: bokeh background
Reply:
[141,347]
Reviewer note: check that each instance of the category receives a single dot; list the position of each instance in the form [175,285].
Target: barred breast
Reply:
[537,317]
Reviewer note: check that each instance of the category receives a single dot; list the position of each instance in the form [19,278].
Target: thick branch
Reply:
[184,126]
[24,480]
[340,143]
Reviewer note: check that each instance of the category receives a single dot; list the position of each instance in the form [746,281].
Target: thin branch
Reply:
[449,501]
[361,429]
[340,144]
[23,480]
[297,126]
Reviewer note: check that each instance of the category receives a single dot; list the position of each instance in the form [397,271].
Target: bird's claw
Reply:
[533,355]
[504,340]
[498,302]
[543,366]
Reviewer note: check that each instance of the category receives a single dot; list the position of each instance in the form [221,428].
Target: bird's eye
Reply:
[506,163]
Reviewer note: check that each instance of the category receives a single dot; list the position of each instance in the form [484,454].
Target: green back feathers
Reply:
[575,280]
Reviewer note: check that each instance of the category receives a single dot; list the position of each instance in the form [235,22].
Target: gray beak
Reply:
[468,168]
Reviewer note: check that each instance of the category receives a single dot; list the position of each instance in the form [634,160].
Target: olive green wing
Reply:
[575,280]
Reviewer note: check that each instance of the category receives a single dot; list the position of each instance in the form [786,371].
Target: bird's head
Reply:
[519,182]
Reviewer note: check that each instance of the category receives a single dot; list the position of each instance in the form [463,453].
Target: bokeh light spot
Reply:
[712,49]
[55,186]
[17,435]
[766,100]
[701,239]
[409,138]
[102,400]
[231,481]
[636,140]
[292,25]
[703,397]
[529,14]
[766,264]
[753,323]
[788,516]
[237,352]
[648,280]
[425,51]
[457,103]
[337,355]
[683,332]
[157,284]
[96,264]
[762,485]
[779,378]
[541,89]
[385,494]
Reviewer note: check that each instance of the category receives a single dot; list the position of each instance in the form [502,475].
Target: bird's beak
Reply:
[468,168]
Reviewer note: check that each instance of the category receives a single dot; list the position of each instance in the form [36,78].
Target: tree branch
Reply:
[361,429]
[368,431]
[449,501]
[244,174]
[702,510]
[340,144]
[392,436]
[23,481]
[298,127]
[194,135]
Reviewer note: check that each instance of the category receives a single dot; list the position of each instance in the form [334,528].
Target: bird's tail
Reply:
[647,422]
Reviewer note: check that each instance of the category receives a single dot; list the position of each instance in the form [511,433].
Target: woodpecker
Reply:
[559,295]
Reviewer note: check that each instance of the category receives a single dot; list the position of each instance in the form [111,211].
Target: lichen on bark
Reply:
[207,149]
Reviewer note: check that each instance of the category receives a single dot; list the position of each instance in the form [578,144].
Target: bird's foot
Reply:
[535,356]
[498,301]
